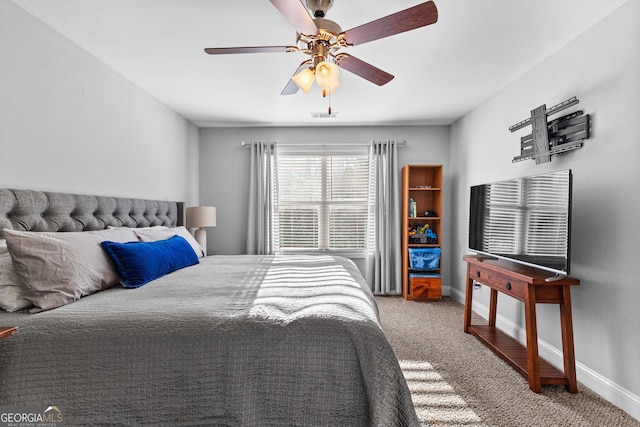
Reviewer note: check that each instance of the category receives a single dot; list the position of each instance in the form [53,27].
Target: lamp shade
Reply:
[331,89]
[326,74]
[304,79]
[201,216]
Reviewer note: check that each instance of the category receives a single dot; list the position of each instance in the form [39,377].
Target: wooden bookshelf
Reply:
[423,185]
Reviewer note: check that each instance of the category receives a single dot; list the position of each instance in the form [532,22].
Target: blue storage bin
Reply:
[424,259]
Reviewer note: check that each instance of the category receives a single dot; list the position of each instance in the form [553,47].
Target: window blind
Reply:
[322,201]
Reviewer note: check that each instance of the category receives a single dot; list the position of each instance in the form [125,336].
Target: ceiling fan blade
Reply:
[364,69]
[297,15]
[399,22]
[251,49]
[291,88]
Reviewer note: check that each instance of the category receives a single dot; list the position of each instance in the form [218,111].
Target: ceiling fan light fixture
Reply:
[304,79]
[326,74]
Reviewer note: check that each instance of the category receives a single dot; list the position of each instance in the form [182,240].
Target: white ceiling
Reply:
[441,71]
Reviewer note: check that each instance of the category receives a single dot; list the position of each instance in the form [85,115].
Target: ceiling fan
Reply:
[323,41]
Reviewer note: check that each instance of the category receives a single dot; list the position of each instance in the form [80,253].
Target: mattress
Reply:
[233,341]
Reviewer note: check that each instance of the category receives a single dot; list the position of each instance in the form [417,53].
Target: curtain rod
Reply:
[320,144]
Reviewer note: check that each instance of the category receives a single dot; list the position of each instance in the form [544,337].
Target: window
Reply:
[322,201]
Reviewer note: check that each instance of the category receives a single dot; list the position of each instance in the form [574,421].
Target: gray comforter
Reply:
[235,340]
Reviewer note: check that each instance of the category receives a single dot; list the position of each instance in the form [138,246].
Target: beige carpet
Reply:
[457,381]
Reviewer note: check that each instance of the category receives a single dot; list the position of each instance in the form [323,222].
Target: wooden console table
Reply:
[528,285]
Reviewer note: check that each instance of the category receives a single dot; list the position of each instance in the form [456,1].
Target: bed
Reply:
[230,340]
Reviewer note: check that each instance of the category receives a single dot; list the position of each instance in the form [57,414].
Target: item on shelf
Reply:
[413,211]
[424,259]
[430,214]
[422,235]
[426,285]
[432,237]
[417,239]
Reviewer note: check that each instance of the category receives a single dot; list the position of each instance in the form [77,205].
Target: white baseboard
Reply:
[607,389]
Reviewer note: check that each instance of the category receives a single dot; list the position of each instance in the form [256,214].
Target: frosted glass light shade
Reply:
[201,216]
[304,79]
[326,74]
[331,89]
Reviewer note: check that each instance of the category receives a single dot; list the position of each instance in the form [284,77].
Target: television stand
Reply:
[529,285]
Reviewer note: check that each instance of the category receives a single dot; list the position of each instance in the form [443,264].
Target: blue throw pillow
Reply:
[141,262]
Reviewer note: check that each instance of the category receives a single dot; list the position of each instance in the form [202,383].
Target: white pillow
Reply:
[10,291]
[152,234]
[58,268]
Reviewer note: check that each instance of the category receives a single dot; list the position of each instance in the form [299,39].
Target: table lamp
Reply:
[200,217]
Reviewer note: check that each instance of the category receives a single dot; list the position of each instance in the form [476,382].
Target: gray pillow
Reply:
[10,292]
[153,234]
[58,268]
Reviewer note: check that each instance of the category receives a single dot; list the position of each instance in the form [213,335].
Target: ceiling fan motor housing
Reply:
[319,52]
[323,44]
[319,7]
[327,29]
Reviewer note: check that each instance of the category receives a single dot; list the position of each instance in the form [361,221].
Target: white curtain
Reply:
[262,222]
[383,259]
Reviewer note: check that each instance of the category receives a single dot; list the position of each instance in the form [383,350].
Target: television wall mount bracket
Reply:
[566,133]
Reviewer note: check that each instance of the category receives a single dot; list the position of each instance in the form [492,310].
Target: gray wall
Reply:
[224,171]
[601,68]
[69,123]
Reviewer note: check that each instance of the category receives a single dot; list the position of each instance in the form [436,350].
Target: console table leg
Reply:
[566,324]
[493,307]
[533,360]
[468,302]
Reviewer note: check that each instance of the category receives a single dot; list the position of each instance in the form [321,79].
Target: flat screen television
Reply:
[526,220]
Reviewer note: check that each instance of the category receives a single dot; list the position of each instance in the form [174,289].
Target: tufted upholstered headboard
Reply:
[30,210]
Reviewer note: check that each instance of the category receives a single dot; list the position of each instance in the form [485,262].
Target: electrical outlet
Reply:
[476,286]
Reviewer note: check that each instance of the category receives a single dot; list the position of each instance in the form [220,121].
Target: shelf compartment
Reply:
[515,354]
